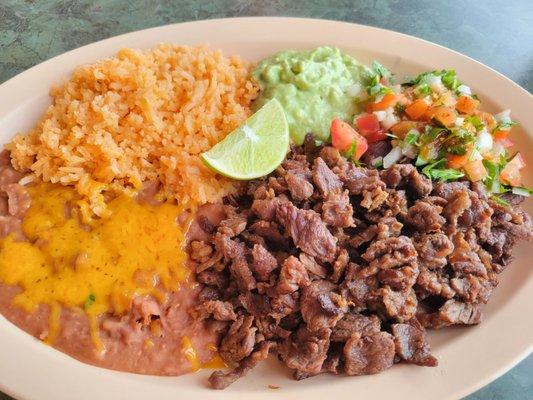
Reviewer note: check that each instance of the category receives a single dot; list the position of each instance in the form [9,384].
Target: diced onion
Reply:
[379,98]
[497,149]
[447,99]
[484,141]
[459,121]
[393,157]
[380,115]
[504,116]
[435,83]
[390,119]
[521,192]
[409,151]
[397,89]
[464,90]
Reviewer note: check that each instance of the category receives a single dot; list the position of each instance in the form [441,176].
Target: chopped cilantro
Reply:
[504,159]
[504,125]
[430,145]
[461,133]
[498,200]
[351,150]
[439,163]
[381,70]
[357,163]
[492,181]
[449,79]
[418,79]
[399,108]
[431,133]
[89,301]
[475,121]
[412,136]
[420,161]
[435,171]
[457,150]
[377,163]
[446,175]
[379,90]
[457,140]
[423,90]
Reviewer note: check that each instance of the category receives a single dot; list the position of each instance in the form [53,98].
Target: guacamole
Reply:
[314,87]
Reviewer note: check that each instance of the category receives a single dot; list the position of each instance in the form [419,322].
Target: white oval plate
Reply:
[468,357]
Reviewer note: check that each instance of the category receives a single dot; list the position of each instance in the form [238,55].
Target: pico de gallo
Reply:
[435,121]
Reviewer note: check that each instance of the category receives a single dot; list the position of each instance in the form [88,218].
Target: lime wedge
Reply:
[255,148]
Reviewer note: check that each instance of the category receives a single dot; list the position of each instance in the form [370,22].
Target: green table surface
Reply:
[498,33]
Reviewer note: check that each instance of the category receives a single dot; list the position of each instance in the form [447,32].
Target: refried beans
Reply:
[143,326]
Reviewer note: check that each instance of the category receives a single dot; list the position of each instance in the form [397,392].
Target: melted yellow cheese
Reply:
[190,353]
[187,348]
[215,363]
[134,251]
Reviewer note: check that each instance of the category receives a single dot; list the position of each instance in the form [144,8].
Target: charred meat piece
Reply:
[339,268]
[308,232]
[220,380]
[368,354]
[324,178]
[411,345]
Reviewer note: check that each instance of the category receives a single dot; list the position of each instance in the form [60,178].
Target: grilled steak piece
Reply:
[341,269]
[308,232]
[411,345]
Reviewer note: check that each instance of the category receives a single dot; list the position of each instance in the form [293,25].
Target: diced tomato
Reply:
[500,134]
[384,81]
[466,105]
[517,161]
[511,172]
[376,136]
[389,100]
[362,147]
[367,124]
[342,134]
[456,161]
[445,115]
[343,137]
[402,128]
[475,170]
[487,119]
[417,109]
[506,142]
[369,127]
[511,176]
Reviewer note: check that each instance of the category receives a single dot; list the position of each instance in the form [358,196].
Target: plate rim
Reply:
[20,78]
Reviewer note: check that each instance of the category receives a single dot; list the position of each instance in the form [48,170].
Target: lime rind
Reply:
[254,149]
